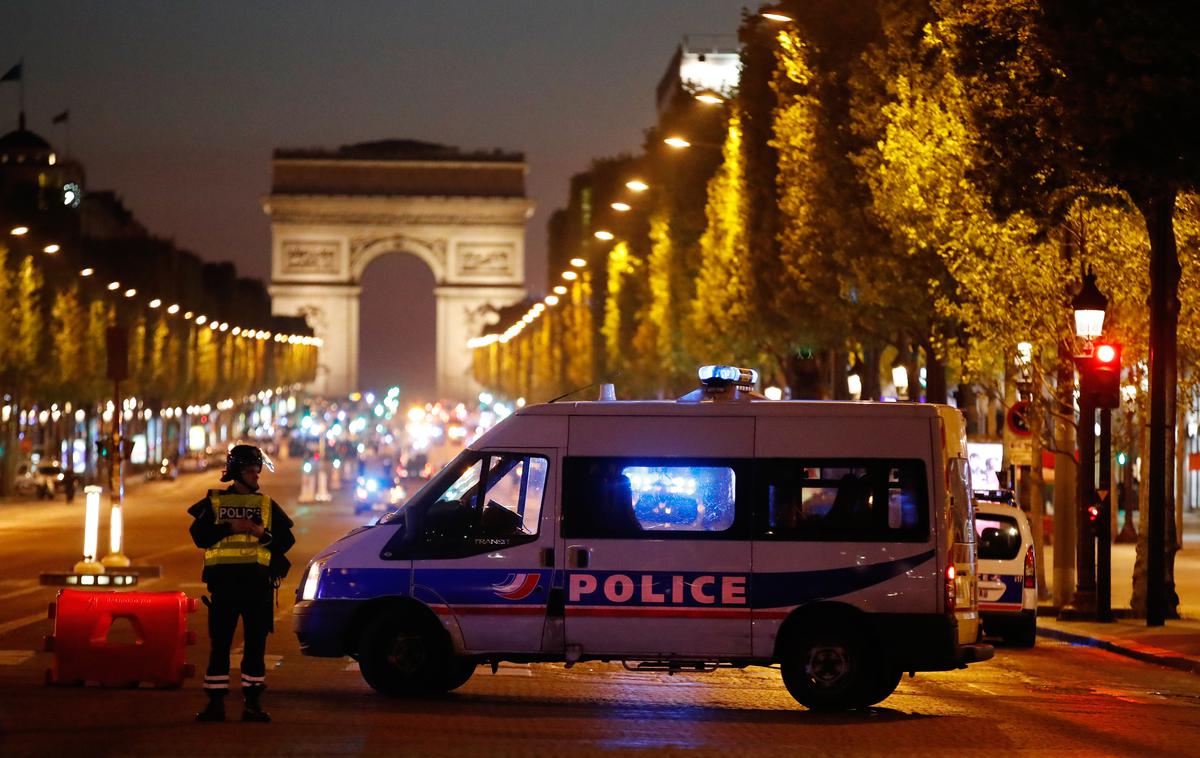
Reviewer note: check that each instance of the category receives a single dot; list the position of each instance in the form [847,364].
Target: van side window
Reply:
[851,500]
[962,503]
[649,499]
[466,511]
[513,500]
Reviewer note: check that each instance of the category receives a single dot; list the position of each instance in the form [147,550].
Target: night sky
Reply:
[178,105]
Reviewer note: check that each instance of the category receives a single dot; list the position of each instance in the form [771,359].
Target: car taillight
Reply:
[1030,578]
[951,595]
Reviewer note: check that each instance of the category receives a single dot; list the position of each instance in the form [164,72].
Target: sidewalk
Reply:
[1176,644]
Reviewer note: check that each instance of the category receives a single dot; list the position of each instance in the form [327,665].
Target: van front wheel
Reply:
[401,657]
[830,670]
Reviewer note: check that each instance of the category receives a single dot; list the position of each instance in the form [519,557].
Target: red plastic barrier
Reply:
[83,652]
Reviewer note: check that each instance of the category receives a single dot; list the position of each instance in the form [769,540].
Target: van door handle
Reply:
[578,556]
[547,557]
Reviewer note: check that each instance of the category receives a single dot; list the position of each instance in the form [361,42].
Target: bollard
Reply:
[91,529]
[306,484]
[116,535]
[323,486]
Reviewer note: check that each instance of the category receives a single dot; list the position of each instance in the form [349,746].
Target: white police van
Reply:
[722,529]
[1007,579]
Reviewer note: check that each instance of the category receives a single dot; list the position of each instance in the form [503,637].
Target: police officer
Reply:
[245,535]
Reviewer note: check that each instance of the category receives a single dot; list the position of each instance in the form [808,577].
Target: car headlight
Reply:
[312,580]
[360,493]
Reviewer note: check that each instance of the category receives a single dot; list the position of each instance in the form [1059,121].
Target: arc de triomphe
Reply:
[334,211]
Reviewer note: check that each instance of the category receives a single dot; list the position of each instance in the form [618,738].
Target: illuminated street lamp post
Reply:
[1090,306]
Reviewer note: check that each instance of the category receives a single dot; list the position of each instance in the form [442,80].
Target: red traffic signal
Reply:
[1093,513]
[1107,354]
[1100,375]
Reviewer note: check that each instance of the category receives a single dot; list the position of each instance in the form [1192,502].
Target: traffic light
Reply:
[1101,375]
[102,448]
[1093,513]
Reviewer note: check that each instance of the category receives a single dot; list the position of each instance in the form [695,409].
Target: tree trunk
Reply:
[969,408]
[1037,487]
[1138,601]
[871,386]
[1064,480]
[935,375]
[839,389]
[1157,208]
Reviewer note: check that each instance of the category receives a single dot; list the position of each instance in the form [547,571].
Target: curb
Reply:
[1127,648]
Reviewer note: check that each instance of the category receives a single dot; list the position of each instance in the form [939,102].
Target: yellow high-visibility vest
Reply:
[239,548]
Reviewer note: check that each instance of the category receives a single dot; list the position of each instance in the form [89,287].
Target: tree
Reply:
[1101,93]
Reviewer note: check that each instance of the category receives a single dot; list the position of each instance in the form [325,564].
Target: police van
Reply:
[833,539]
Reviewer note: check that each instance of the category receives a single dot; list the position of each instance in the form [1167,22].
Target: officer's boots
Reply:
[215,710]
[253,710]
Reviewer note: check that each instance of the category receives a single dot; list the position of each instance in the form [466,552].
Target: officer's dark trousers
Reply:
[250,601]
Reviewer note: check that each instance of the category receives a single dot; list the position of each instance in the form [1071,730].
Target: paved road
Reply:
[1052,699]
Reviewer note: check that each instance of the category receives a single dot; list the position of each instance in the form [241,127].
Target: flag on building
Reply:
[61,118]
[13,74]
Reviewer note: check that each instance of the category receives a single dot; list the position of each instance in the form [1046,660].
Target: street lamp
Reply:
[709,97]
[620,207]
[777,15]
[603,234]
[637,185]
[1092,591]
[677,142]
[1089,305]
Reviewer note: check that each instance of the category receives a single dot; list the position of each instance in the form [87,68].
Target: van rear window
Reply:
[849,500]
[998,537]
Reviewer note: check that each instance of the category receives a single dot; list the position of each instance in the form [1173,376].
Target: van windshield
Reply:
[459,477]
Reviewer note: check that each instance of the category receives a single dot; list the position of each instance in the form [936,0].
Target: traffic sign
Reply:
[1018,418]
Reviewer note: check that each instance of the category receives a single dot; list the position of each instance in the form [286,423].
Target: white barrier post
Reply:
[116,535]
[306,483]
[322,484]
[91,529]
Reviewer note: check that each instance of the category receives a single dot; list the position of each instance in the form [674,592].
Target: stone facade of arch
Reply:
[325,231]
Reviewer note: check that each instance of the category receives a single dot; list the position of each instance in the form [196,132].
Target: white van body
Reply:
[678,535]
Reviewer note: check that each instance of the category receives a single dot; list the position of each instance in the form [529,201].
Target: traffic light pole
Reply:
[1104,522]
[1084,602]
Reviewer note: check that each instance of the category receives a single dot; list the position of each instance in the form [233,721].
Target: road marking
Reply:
[26,621]
[169,551]
[14,657]
[17,593]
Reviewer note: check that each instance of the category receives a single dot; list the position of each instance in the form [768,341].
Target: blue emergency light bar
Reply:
[720,375]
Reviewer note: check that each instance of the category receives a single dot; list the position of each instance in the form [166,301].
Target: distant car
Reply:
[166,470]
[192,463]
[51,479]
[26,483]
[377,492]
[1007,575]
[216,456]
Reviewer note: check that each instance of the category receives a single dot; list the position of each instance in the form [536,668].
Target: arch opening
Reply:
[397,336]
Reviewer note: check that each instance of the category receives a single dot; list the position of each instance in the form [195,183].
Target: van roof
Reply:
[744,408]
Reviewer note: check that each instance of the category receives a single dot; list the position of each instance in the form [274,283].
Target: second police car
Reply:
[836,540]
[1007,576]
